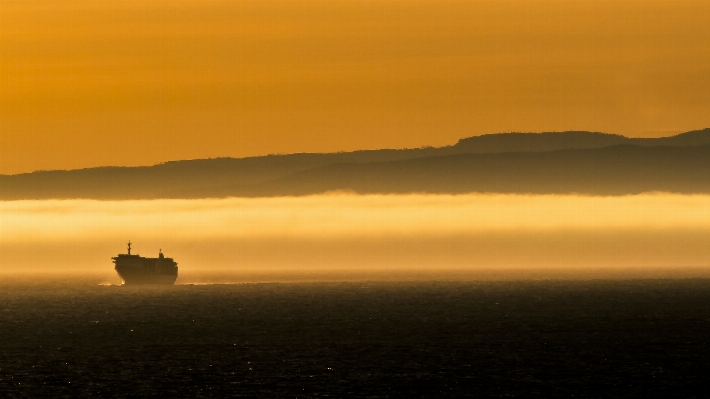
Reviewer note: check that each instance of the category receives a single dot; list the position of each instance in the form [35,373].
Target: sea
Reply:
[68,337]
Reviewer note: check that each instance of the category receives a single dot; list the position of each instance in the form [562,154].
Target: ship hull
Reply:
[137,270]
[140,277]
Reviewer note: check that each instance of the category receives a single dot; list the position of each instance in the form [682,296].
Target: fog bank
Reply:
[370,235]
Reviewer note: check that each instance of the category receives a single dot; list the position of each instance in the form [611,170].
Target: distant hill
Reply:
[537,142]
[615,170]
[560,162]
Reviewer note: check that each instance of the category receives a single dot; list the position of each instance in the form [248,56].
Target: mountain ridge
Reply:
[615,170]
[270,175]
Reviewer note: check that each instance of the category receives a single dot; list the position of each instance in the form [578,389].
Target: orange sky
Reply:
[88,83]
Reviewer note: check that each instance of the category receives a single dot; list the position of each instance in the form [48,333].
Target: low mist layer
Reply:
[371,236]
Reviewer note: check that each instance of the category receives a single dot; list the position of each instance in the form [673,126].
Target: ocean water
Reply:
[599,338]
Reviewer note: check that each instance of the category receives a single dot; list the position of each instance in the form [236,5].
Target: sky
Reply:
[90,83]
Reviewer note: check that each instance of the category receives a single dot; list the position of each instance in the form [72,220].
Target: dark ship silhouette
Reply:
[136,270]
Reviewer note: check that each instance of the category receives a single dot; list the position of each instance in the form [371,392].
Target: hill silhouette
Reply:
[557,162]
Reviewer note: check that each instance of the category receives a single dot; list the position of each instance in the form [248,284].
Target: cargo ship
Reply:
[137,270]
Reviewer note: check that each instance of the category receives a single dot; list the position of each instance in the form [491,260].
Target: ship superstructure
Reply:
[135,269]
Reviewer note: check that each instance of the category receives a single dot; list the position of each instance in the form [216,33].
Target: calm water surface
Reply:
[634,338]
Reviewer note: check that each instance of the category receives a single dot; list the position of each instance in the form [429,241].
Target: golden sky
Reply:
[88,83]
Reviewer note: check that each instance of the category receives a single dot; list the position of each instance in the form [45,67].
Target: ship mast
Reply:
[129,247]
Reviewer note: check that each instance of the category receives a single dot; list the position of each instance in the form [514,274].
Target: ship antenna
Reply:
[129,247]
